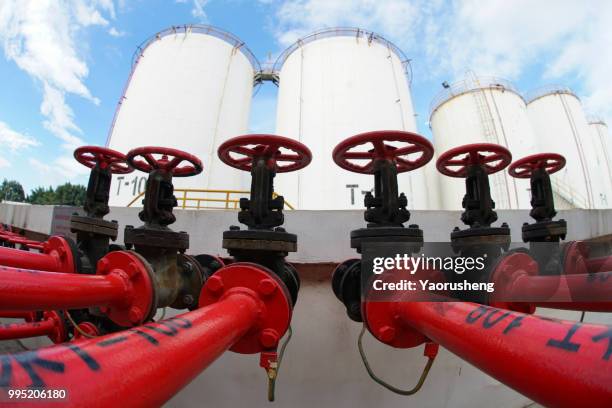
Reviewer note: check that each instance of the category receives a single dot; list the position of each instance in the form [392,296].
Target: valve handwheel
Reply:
[107,158]
[169,161]
[455,162]
[550,162]
[268,147]
[412,144]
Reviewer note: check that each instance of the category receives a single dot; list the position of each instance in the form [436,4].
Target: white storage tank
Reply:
[190,88]
[334,84]
[482,110]
[603,147]
[560,124]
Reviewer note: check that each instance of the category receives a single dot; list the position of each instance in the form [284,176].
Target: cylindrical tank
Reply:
[334,84]
[190,88]
[560,124]
[482,110]
[603,148]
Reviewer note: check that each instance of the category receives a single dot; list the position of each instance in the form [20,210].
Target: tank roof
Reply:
[548,90]
[470,85]
[596,120]
[345,32]
[199,29]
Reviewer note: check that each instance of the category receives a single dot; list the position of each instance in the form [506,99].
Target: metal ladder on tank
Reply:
[490,135]
[565,191]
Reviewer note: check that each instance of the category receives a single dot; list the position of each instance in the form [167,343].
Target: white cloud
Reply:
[60,170]
[41,37]
[297,18]
[60,118]
[13,140]
[197,9]
[558,39]
[116,33]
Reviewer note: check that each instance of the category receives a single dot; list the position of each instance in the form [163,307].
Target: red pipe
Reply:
[161,358]
[22,330]
[16,258]
[56,257]
[591,288]
[15,314]
[22,289]
[122,287]
[580,306]
[603,264]
[51,325]
[554,362]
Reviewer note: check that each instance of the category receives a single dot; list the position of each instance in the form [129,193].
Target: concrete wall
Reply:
[322,366]
[323,236]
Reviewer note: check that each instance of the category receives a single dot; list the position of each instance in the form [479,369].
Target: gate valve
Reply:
[384,161]
[103,163]
[159,199]
[93,232]
[475,162]
[265,242]
[178,277]
[383,154]
[261,155]
[545,233]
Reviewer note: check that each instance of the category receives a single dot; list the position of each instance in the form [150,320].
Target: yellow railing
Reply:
[199,199]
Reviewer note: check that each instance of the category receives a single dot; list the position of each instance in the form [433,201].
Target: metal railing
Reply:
[207,199]
[370,36]
[596,120]
[548,90]
[469,85]
[199,29]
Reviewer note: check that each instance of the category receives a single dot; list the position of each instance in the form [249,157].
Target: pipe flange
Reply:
[260,240]
[192,278]
[380,319]
[346,285]
[480,236]
[411,235]
[93,225]
[544,231]
[59,333]
[141,305]
[504,271]
[61,249]
[262,283]
[152,237]
[573,258]
[88,328]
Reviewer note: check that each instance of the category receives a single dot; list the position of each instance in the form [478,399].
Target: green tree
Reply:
[70,194]
[66,194]
[11,190]
[41,195]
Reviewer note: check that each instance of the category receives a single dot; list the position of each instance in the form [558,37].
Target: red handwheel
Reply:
[107,158]
[169,161]
[240,151]
[550,162]
[492,158]
[414,151]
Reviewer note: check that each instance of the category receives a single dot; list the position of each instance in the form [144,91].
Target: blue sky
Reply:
[64,62]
